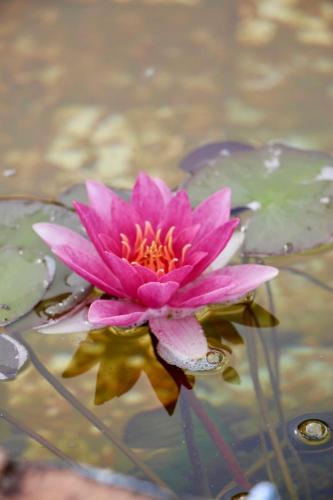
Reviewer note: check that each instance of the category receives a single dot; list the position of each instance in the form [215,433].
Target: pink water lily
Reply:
[152,257]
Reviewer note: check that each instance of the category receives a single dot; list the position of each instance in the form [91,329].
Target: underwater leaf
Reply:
[235,314]
[289,192]
[153,429]
[209,153]
[24,280]
[13,355]
[16,220]
[231,376]
[122,359]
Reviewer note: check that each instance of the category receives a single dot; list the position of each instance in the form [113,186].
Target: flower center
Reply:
[149,250]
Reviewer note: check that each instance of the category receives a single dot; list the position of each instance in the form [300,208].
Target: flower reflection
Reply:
[123,355]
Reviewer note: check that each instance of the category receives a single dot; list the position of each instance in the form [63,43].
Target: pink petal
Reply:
[79,255]
[56,235]
[70,323]
[245,278]
[213,211]
[177,213]
[232,247]
[213,243]
[185,236]
[116,313]
[93,225]
[147,199]
[176,275]
[124,217]
[100,197]
[225,285]
[165,190]
[128,273]
[202,291]
[182,337]
[157,294]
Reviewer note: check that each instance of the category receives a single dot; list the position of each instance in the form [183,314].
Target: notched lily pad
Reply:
[289,192]
[13,355]
[26,273]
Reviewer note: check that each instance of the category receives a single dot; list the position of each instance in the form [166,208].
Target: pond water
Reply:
[102,89]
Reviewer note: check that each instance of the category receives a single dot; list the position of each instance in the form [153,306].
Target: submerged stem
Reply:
[193,453]
[37,437]
[89,415]
[265,415]
[218,440]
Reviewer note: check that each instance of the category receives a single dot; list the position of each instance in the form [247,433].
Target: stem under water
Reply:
[92,418]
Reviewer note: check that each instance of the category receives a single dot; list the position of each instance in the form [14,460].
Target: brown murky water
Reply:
[104,88]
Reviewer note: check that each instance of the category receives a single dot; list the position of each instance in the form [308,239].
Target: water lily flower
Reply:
[152,256]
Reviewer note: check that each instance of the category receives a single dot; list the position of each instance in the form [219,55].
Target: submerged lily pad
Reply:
[13,355]
[289,191]
[66,289]
[24,280]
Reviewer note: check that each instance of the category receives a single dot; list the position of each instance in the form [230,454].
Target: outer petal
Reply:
[225,285]
[245,278]
[95,227]
[232,247]
[213,243]
[156,295]
[71,323]
[182,337]
[213,212]
[147,199]
[79,255]
[116,313]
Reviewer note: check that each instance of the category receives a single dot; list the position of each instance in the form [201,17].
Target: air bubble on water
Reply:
[326,174]
[214,360]
[314,431]
[325,200]
[9,172]
[288,247]
[214,357]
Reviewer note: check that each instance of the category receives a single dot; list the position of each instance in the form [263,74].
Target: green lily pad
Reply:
[289,193]
[16,220]
[33,276]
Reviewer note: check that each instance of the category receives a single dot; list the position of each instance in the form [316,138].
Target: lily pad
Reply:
[288,191]
[16,220]
[13,355]
[24,280]
[209,153]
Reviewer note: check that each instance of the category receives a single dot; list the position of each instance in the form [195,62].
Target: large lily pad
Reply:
[289,192]
[13,355]
[16,220]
